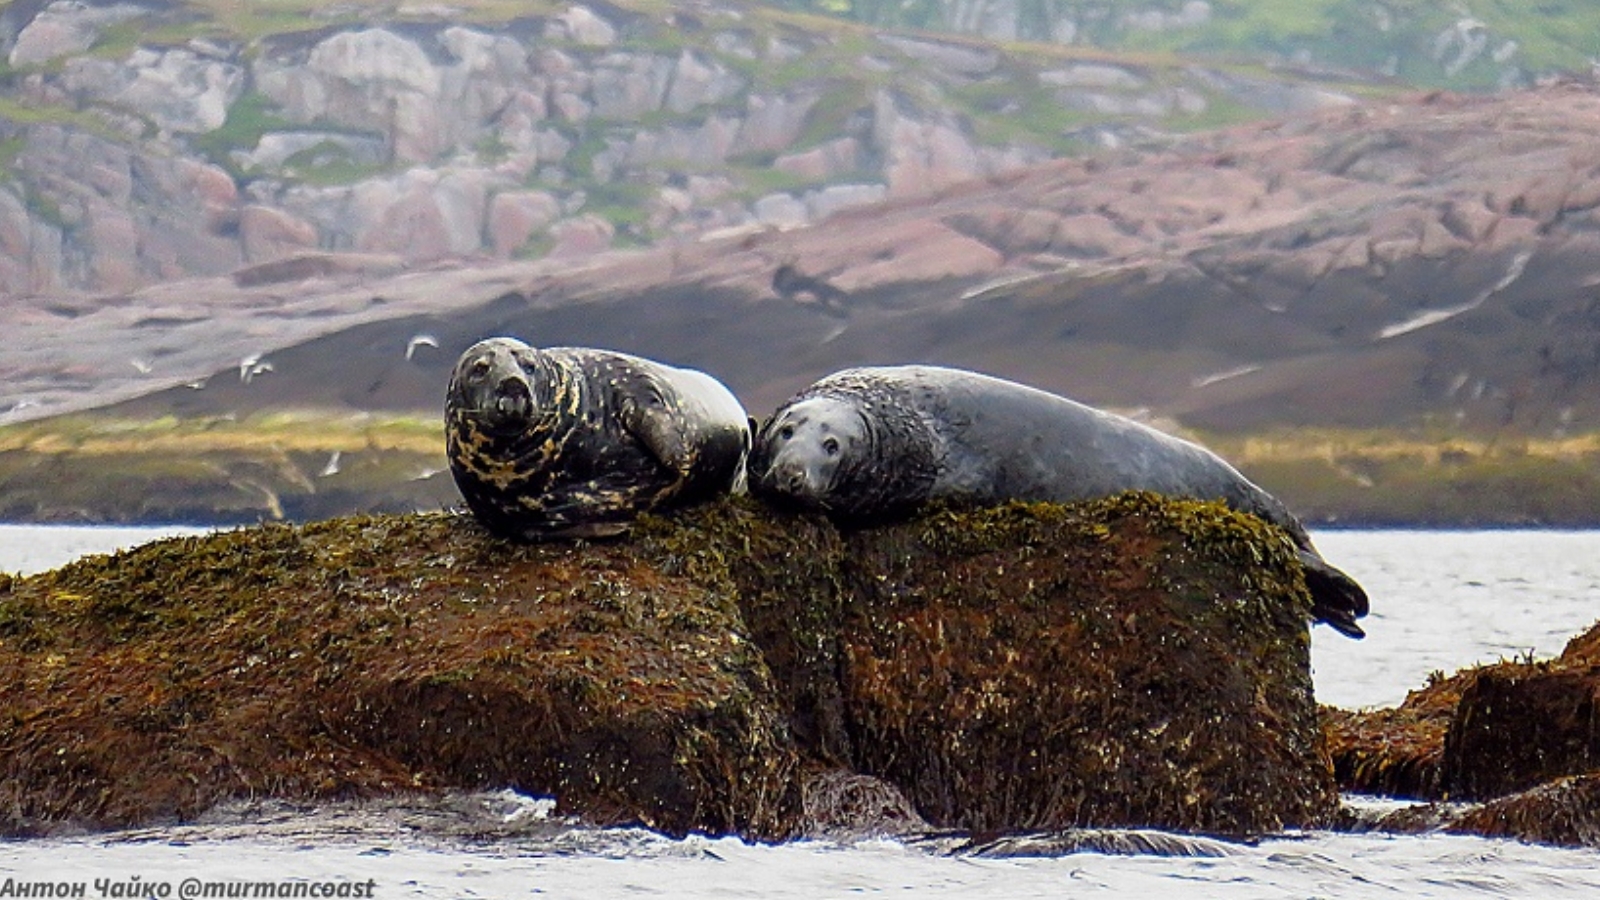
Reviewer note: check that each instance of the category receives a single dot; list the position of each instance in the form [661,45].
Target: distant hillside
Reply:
[1471,44]
[1385,312]
[147,140]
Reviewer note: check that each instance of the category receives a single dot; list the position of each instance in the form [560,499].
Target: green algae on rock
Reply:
[1132,661]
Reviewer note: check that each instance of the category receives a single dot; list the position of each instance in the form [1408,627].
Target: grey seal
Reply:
[577,442]
[872,444]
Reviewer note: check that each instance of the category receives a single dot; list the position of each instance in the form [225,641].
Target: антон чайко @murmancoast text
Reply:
[187,889]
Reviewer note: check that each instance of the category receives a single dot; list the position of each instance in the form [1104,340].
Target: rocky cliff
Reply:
[151,140]
[1441,248]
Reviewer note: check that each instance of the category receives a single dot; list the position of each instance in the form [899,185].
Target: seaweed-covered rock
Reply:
[364,656]
[1565,811]
[1520,738]
[1485,732]
[1126,662]
[1395,751]
[1517,727]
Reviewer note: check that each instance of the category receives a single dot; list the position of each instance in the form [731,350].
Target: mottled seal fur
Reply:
[871,444]
[571,441]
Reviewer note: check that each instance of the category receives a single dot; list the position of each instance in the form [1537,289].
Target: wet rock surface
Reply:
[1128,663]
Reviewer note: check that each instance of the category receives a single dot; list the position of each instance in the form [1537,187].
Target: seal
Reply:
[577,442]
[873,444]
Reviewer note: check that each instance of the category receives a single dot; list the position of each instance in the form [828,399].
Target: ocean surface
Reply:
[1441,600]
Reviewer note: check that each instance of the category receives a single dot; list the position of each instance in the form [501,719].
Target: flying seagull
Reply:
[420,340]
[251,366]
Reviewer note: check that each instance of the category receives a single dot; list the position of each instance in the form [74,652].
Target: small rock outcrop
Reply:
[1518,741]
[1129,662]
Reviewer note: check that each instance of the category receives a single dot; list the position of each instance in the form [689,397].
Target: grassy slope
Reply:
[1407,478]
[1558,36]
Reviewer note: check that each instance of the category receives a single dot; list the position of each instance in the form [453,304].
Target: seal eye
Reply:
[830,446]
[478,369]
[786,432]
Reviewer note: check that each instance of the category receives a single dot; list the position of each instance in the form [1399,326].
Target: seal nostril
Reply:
[513,397]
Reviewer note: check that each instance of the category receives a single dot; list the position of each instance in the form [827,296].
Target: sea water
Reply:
[1440,601]
[27,549]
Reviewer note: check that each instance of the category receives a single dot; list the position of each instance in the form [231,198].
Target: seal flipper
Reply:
[1335,597]
[664,434]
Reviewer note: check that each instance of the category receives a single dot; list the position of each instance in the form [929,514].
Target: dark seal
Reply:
[874,444]
[576,442]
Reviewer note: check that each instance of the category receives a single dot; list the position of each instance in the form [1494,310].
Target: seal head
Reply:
[856,455]
[494,384]
[813,443]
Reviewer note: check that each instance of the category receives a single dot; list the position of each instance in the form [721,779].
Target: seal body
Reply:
[871,444]
[572,442]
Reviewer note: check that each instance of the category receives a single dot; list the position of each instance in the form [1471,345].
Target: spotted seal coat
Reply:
[571,441]
[871,444]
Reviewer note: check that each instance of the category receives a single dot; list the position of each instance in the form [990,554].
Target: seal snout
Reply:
[794,482]
[788,478]
[513,399]
[794,479]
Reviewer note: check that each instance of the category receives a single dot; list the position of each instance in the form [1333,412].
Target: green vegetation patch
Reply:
[249,118]
[1424,477]
[1420,42]
[295,465]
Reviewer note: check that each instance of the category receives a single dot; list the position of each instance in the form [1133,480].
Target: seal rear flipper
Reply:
[1335,597]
